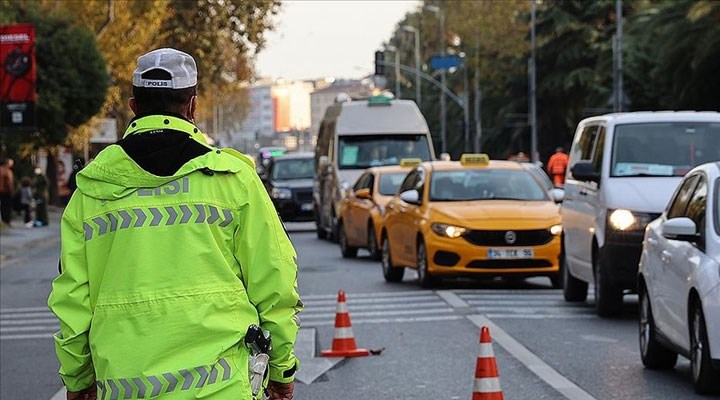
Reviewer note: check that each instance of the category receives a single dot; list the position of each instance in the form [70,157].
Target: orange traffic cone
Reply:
[343,344]
[487,383]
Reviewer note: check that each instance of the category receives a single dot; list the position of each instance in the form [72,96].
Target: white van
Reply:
[355,135]
[622,171]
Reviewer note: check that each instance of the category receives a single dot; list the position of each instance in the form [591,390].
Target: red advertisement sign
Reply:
[17,76]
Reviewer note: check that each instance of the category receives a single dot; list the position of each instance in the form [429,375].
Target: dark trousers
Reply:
[6,206]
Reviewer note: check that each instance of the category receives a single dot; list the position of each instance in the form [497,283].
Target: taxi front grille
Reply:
[509,264]
[500,238]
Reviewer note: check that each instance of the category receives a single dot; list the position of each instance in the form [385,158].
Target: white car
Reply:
[679,281]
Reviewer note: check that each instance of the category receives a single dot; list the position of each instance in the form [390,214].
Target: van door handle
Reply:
[665,256]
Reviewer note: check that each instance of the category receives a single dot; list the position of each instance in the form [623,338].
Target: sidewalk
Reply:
[19,239]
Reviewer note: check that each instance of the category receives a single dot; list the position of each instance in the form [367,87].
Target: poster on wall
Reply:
[17,77]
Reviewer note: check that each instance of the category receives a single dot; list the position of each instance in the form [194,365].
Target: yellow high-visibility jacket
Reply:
[171,248]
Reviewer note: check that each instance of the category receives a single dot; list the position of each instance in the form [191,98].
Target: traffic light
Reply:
[379,63]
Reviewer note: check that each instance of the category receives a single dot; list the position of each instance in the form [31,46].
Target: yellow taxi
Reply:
[362,210]
[472,217]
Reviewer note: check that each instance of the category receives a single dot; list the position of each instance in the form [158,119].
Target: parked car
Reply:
[362,210]
[622,171]
[679,281]
[355,135]
[264,154]
[289,182]
[473,218]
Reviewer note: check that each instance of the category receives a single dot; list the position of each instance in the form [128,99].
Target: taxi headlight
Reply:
[556,230]
[446,230]
[281,193]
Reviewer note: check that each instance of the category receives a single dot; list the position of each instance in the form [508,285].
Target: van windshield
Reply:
[663,149]
[360,152]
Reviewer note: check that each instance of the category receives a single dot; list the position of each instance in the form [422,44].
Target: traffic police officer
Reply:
[171,249]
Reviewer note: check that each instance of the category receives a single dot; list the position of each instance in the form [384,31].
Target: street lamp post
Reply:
[443,129]
[416,31]
[397,69]
[533,110]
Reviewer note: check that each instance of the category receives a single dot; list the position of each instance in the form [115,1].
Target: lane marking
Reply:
[539,367]
[541,316]
[23,309]
[60,395]
[28,328]
[420,293]
[452,299]
[48,335]
[4,322]
[403,306]
[426,298]
[445,310]
[363,321]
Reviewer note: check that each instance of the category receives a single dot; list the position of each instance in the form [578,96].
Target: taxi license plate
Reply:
[508,254]
[306,206]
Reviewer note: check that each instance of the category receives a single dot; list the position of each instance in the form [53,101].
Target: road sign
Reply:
[445,62]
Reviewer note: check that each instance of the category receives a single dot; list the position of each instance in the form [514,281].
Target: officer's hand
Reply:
[281,391]
[85,394]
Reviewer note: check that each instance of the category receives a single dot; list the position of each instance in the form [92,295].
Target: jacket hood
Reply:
[151,159]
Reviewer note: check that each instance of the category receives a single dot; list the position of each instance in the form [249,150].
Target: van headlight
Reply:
[281,193]
[447,230]
[624,220]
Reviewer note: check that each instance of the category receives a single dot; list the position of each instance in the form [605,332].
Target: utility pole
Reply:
[533,111]
[618,73]
[466,105]
[416,31]
[443,75]
[478,97]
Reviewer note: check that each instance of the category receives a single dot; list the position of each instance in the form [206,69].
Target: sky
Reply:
[331,38]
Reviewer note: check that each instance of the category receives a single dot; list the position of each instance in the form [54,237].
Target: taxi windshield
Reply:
[293,168]
[389,183]
[485,184]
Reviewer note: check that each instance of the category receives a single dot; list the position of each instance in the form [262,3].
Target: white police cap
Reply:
[181,67]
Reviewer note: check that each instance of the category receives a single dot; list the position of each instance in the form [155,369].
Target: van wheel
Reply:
[706,379]
[574,289]
[375,252]
[391,274]
[346,250]
[654,355]
[608,298]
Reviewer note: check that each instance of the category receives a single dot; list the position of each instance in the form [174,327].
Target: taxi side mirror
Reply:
[363,194]
[557,194]
[410,196]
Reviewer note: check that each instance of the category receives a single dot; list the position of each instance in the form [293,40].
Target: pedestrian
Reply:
[27,202]
[41,197]
[557,165]
[7,189]
[171,251]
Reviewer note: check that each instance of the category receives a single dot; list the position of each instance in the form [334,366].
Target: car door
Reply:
[360,211]
[663,278]
[580,206]
[684,258]
[398,230]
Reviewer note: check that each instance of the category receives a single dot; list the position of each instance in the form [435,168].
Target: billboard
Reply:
[17,77]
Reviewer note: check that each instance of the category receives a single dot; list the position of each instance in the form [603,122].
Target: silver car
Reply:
[679,281]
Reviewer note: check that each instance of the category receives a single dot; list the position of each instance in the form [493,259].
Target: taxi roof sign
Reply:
[410,162]
[475,159]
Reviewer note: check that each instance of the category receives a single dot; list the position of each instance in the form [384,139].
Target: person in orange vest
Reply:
[557,164]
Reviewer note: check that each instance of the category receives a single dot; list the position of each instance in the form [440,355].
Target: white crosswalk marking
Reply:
[26,323]
[377,308]
[526,304]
